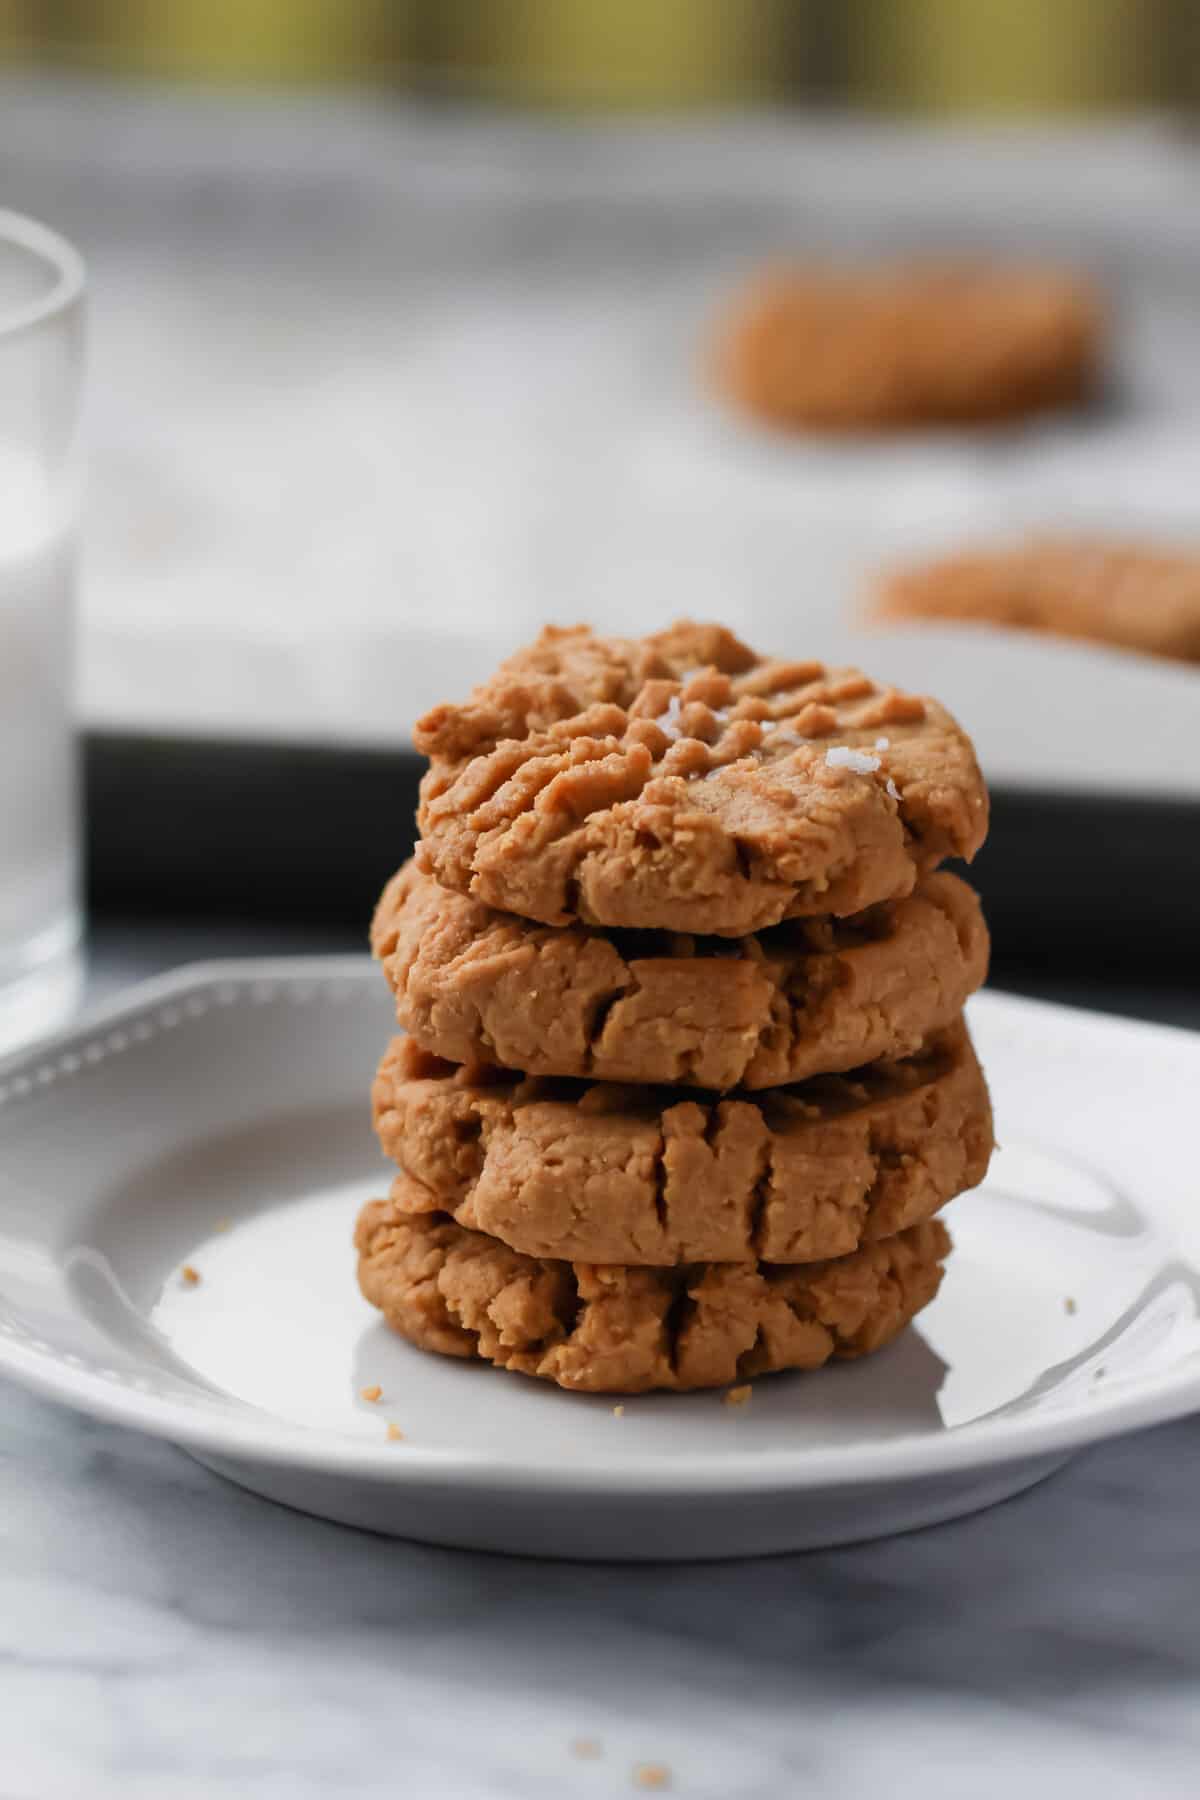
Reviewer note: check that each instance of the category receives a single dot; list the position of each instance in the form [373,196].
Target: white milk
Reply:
[39,918]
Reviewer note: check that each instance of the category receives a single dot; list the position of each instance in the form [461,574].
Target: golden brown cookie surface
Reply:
[625,1331]
[681,782]
[617,1174]
[889,347]
[1116,593]
[811,997]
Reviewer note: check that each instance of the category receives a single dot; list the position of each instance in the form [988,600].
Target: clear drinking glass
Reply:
[41,355]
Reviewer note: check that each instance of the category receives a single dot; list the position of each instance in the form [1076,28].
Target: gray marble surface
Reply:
[163,1635]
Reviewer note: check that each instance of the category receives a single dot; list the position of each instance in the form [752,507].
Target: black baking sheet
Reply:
[181,828]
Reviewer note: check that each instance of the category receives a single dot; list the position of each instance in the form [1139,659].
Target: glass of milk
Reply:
[41,350]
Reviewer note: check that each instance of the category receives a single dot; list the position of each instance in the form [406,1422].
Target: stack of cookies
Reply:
[685,1079]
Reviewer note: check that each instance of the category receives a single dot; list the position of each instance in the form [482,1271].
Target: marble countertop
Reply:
[164,1635]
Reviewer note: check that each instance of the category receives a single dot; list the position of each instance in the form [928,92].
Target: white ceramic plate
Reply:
[218,1117]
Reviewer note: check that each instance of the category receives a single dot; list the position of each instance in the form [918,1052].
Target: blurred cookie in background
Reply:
[1135,595]
[909,345]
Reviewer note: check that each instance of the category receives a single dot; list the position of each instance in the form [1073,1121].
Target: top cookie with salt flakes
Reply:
[681,782]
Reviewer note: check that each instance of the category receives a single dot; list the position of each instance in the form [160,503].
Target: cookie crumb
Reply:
[738,1396]
[394,1433]
[189,1276]
[587,1749]
[222,1224]
[618,1412]
[651,1775]
[1069,1305]
[1100,1373]
[372,1393]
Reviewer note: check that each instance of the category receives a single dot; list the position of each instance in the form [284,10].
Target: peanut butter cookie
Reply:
[618,1330]
[681,782]
[908,346]
[615,1174]
[1132,595]
[813,996]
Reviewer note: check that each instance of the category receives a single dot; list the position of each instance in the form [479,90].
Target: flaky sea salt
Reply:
[882,743]
[668,722]
[892,789]
[842,757]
